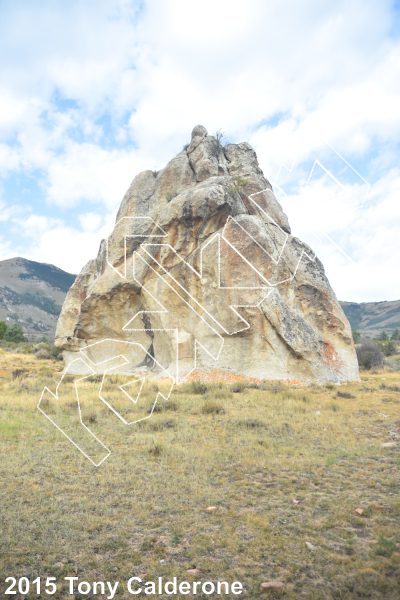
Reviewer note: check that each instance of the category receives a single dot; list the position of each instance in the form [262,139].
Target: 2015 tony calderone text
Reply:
[135,585]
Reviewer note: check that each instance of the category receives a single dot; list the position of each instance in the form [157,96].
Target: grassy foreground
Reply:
[285,467]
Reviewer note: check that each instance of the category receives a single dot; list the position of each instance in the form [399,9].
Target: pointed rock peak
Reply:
[199,131]
[210,209]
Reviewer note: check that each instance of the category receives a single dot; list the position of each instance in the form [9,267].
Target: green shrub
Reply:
[220,393]
[56,353]
[345,395]
[238,387]
[251,423]
[237,184]
[156,450]
[42,354]
[220,137]
[18,373]
[148,544]
[197,387]
[170,194]
[160,424]
[388,348]
[210,407]
[95,378]
[168,405]
[385,547]
[369,355]
[273,386]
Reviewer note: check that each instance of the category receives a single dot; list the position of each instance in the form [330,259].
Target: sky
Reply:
[94,92]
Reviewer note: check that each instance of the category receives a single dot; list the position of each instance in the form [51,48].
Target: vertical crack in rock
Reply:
[147,326]
[148,360]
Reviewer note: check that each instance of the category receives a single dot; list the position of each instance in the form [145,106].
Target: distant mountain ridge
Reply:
[52,275]
[371,318]
[32,294]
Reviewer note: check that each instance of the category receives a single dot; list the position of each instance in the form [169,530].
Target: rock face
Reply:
[202,277]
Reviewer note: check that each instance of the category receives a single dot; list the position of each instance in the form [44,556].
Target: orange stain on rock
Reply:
[331,356]
[278,315]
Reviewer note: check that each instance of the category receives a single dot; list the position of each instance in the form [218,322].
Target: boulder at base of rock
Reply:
[202,277]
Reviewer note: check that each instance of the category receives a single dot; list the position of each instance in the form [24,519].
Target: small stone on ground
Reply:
[272,585]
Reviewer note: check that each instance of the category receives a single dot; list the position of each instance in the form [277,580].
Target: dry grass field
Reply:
[285,467]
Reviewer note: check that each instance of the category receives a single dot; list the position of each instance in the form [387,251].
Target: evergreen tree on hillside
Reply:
[395,335]
[3,329]
[15,334]
[383,337]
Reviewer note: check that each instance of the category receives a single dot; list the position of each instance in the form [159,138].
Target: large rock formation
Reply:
[202,276]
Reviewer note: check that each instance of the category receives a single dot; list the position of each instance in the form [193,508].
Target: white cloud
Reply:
[79,48]
[5,248]
[7,211]
[51,240]
[85,171]
[139,77]
[357,242]
[12,110]
[90,221]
